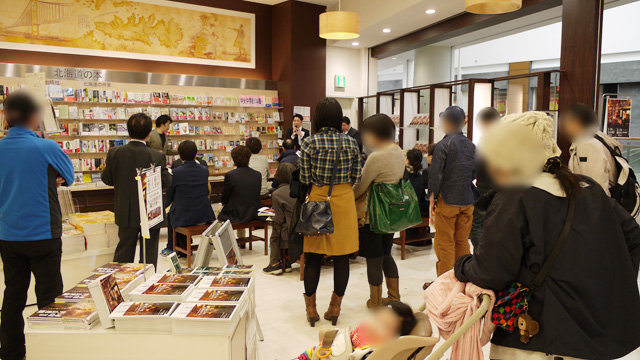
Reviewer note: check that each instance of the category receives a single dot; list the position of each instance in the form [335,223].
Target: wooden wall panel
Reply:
[263,51]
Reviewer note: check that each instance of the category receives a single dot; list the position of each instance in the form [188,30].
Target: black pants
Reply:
[20,259]
[169,234]
[376,248]
[129,238]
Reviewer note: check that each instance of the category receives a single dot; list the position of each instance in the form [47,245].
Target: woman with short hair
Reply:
[384,165]
[318,156]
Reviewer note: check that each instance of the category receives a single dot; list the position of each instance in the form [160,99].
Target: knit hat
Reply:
[541,125]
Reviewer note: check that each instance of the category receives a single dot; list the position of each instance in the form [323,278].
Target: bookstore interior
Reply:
[226,73]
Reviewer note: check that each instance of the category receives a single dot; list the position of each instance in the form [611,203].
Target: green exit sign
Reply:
[340,81]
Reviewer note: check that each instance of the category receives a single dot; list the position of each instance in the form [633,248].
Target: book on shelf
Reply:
[144,317]
[107,296]
[65,316]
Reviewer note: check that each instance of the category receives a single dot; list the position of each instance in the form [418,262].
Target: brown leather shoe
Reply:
[334,309]
[375,296]
[393,290]
[312,311]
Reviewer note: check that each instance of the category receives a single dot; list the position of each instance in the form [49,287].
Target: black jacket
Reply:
[189,195]
[588,306]
[179,162]
[418,185]
[241,195]
[298,142]
[120,172]
[289,157]
[354,133]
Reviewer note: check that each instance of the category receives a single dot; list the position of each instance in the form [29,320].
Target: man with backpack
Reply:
[599,156]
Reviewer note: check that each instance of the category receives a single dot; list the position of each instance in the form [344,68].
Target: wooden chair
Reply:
[189,232]
[251,225]
[403,240]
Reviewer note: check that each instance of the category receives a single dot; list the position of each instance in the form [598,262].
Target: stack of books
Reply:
[165,287]
[144,317]
[204,319]
[128,275]
[64,316]
[79,293]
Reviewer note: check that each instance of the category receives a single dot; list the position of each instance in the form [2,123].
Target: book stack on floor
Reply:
[94,227]
[64,316]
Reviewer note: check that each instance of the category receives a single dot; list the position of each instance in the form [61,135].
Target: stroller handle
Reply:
[484,307]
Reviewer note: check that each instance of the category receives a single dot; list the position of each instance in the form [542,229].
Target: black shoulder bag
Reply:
[512,303]
[315,216]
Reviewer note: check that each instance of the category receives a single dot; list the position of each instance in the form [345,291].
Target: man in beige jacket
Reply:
[589,156]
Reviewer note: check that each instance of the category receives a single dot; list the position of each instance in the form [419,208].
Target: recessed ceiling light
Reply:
[355,43]
[431,11]
[394,58]
[386,30]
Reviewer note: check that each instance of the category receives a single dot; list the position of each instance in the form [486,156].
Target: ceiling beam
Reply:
[457,25]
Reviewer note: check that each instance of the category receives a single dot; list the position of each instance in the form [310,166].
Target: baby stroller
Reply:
[336,344]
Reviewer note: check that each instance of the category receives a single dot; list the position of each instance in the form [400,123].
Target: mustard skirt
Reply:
[344,239]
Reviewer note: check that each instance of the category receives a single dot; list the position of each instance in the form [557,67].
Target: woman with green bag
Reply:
[385,165]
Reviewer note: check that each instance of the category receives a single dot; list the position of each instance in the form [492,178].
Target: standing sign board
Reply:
[152,191]
[618,117]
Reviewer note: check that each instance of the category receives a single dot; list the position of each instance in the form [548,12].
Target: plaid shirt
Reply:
[318,156]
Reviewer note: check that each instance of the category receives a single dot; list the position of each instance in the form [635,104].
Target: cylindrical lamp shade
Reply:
[492,6]
[339,25]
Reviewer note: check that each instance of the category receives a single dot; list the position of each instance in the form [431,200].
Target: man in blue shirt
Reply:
[30,218]
[451,176]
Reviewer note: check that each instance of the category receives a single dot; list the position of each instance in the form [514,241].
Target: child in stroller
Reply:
[385,324]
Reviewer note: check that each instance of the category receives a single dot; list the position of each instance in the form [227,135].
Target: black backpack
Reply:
[626,191]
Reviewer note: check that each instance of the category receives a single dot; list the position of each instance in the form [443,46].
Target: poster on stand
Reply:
[152,189]
[618,117]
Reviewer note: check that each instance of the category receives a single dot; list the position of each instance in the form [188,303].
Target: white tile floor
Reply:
[281,305]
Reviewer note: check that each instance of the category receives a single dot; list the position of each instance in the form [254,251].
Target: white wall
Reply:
[432,65]
[353,64]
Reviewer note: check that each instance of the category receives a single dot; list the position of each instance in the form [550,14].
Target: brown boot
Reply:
[334,309]
[375,296]
[312,312]
[393,290]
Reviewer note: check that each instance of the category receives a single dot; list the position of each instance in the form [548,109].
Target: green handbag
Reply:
[392,208]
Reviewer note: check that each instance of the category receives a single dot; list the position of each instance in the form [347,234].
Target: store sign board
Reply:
[155,30]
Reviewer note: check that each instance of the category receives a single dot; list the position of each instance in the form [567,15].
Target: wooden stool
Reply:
[404,239]
[189,232]
[251,225]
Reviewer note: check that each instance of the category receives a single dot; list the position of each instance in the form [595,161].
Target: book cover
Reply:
[165,98]
[184,128]
[221,295]
[206,311]
[69,311]
[228,282]
[237,273]
[166,289]
[178,279]
[77,293]
[156,98]
[149,309]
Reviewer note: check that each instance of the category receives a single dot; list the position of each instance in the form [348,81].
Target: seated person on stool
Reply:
[283,205]
[241,191]
[188,194]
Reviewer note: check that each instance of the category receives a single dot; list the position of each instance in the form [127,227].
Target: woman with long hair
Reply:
[318,156]
[385,165]
[586,301]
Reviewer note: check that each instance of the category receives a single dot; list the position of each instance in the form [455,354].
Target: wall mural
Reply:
[145,29]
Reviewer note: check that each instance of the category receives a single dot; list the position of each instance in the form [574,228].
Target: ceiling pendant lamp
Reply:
[339,25]
[492,6]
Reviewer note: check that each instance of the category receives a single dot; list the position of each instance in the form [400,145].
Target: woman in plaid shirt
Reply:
[316,166]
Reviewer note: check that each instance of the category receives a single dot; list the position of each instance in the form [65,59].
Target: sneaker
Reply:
[273,269]
[287,267]
[166,252]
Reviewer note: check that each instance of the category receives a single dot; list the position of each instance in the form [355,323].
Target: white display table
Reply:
[108,344]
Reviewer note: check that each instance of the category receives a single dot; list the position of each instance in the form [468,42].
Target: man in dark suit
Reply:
[297,133]
[179,162]
[241,192]
[120,171]
[188,193]
[348,130]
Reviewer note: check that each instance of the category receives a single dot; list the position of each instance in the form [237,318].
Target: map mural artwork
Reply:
[145,29]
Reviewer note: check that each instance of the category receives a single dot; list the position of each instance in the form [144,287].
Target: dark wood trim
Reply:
[378,103]
[543,92]
[401,125]
[456,26]
[470,108]
[360,112]
[579,58]
[432,113]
